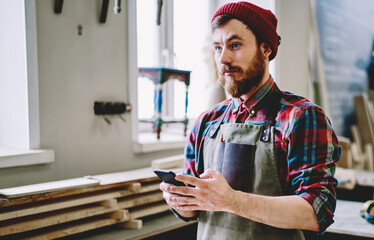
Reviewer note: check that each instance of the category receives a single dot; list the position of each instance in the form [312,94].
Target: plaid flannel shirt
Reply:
[306,147]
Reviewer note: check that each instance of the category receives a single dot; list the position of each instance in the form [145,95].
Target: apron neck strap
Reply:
[215,127]
[274,105]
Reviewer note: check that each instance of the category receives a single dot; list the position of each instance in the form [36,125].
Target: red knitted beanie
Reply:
[261,21]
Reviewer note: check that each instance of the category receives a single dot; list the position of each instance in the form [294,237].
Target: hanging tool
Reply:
[159,8]
[104,11]
[117,7]
[58,6]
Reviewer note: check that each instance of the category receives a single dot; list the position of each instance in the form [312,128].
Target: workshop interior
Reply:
[97,94]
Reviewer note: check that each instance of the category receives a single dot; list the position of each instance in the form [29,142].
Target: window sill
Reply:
[148,142]
[16,157]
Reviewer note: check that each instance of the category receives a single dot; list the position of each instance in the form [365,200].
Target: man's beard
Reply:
[252,76]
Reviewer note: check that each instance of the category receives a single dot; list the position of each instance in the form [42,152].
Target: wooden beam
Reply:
[149,210]
[132,224]
[144,199]
[357,139]
[365,125]
[150,187]
[346,154]
[138,175]
[61,204]
[319,60]
[120,215]
[168,163]
[41,188]
[74,228]
[54,218]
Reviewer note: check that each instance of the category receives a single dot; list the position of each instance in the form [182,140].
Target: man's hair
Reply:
[221,20]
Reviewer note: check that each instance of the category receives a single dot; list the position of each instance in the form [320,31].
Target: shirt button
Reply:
[252,112]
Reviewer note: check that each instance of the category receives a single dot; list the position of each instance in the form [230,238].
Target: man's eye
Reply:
[235,45]
[218,49]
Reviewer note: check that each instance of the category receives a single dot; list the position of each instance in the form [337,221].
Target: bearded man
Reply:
[261,164]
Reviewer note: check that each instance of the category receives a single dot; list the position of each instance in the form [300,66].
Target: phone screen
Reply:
[168,177]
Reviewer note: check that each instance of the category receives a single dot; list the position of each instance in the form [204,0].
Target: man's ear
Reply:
[265,49]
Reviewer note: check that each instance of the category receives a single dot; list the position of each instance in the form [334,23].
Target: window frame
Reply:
[166,41]
[29,153]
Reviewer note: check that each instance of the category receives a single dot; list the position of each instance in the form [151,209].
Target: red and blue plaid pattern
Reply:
[306,147]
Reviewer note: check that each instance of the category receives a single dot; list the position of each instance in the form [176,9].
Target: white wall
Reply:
[292,59]
[74,71]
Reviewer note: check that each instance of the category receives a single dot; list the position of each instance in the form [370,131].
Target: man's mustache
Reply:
[229,68]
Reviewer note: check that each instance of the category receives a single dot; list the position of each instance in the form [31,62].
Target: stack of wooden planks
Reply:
[62,208]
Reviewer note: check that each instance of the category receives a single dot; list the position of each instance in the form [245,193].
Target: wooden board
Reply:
[357,139]
[47,187]
[363,116]
[168,163]
[149,210]
[126,176]
[74,228]
[47,207]
[319,60]
[133,224]
[150,187]
[47,191]
[29,199]
[53,218]
[346,155]
[365,123]
[139,200]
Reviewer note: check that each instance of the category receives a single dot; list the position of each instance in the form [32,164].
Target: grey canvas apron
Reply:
[244,154]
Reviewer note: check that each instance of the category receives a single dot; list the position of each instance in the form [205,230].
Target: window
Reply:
[19,123]
[181,42]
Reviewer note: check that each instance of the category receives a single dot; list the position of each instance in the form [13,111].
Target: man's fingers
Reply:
[190,180]
[192,207]
[177,190]
[209,173]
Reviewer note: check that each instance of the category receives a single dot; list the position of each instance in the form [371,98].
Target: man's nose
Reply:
[225,57]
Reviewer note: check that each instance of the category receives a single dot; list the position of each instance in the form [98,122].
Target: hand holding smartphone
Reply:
[168,176]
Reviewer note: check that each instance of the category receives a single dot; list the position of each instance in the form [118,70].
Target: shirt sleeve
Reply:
[312,154]
[193,148]
[190,152]
[189,164]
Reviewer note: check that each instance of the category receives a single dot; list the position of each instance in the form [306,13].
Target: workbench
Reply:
[349,222]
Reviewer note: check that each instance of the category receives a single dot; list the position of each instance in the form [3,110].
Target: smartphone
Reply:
[168,177]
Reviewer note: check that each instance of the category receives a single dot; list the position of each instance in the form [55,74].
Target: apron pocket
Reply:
[237,165]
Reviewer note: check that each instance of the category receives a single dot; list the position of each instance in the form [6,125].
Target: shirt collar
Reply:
[252,103]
